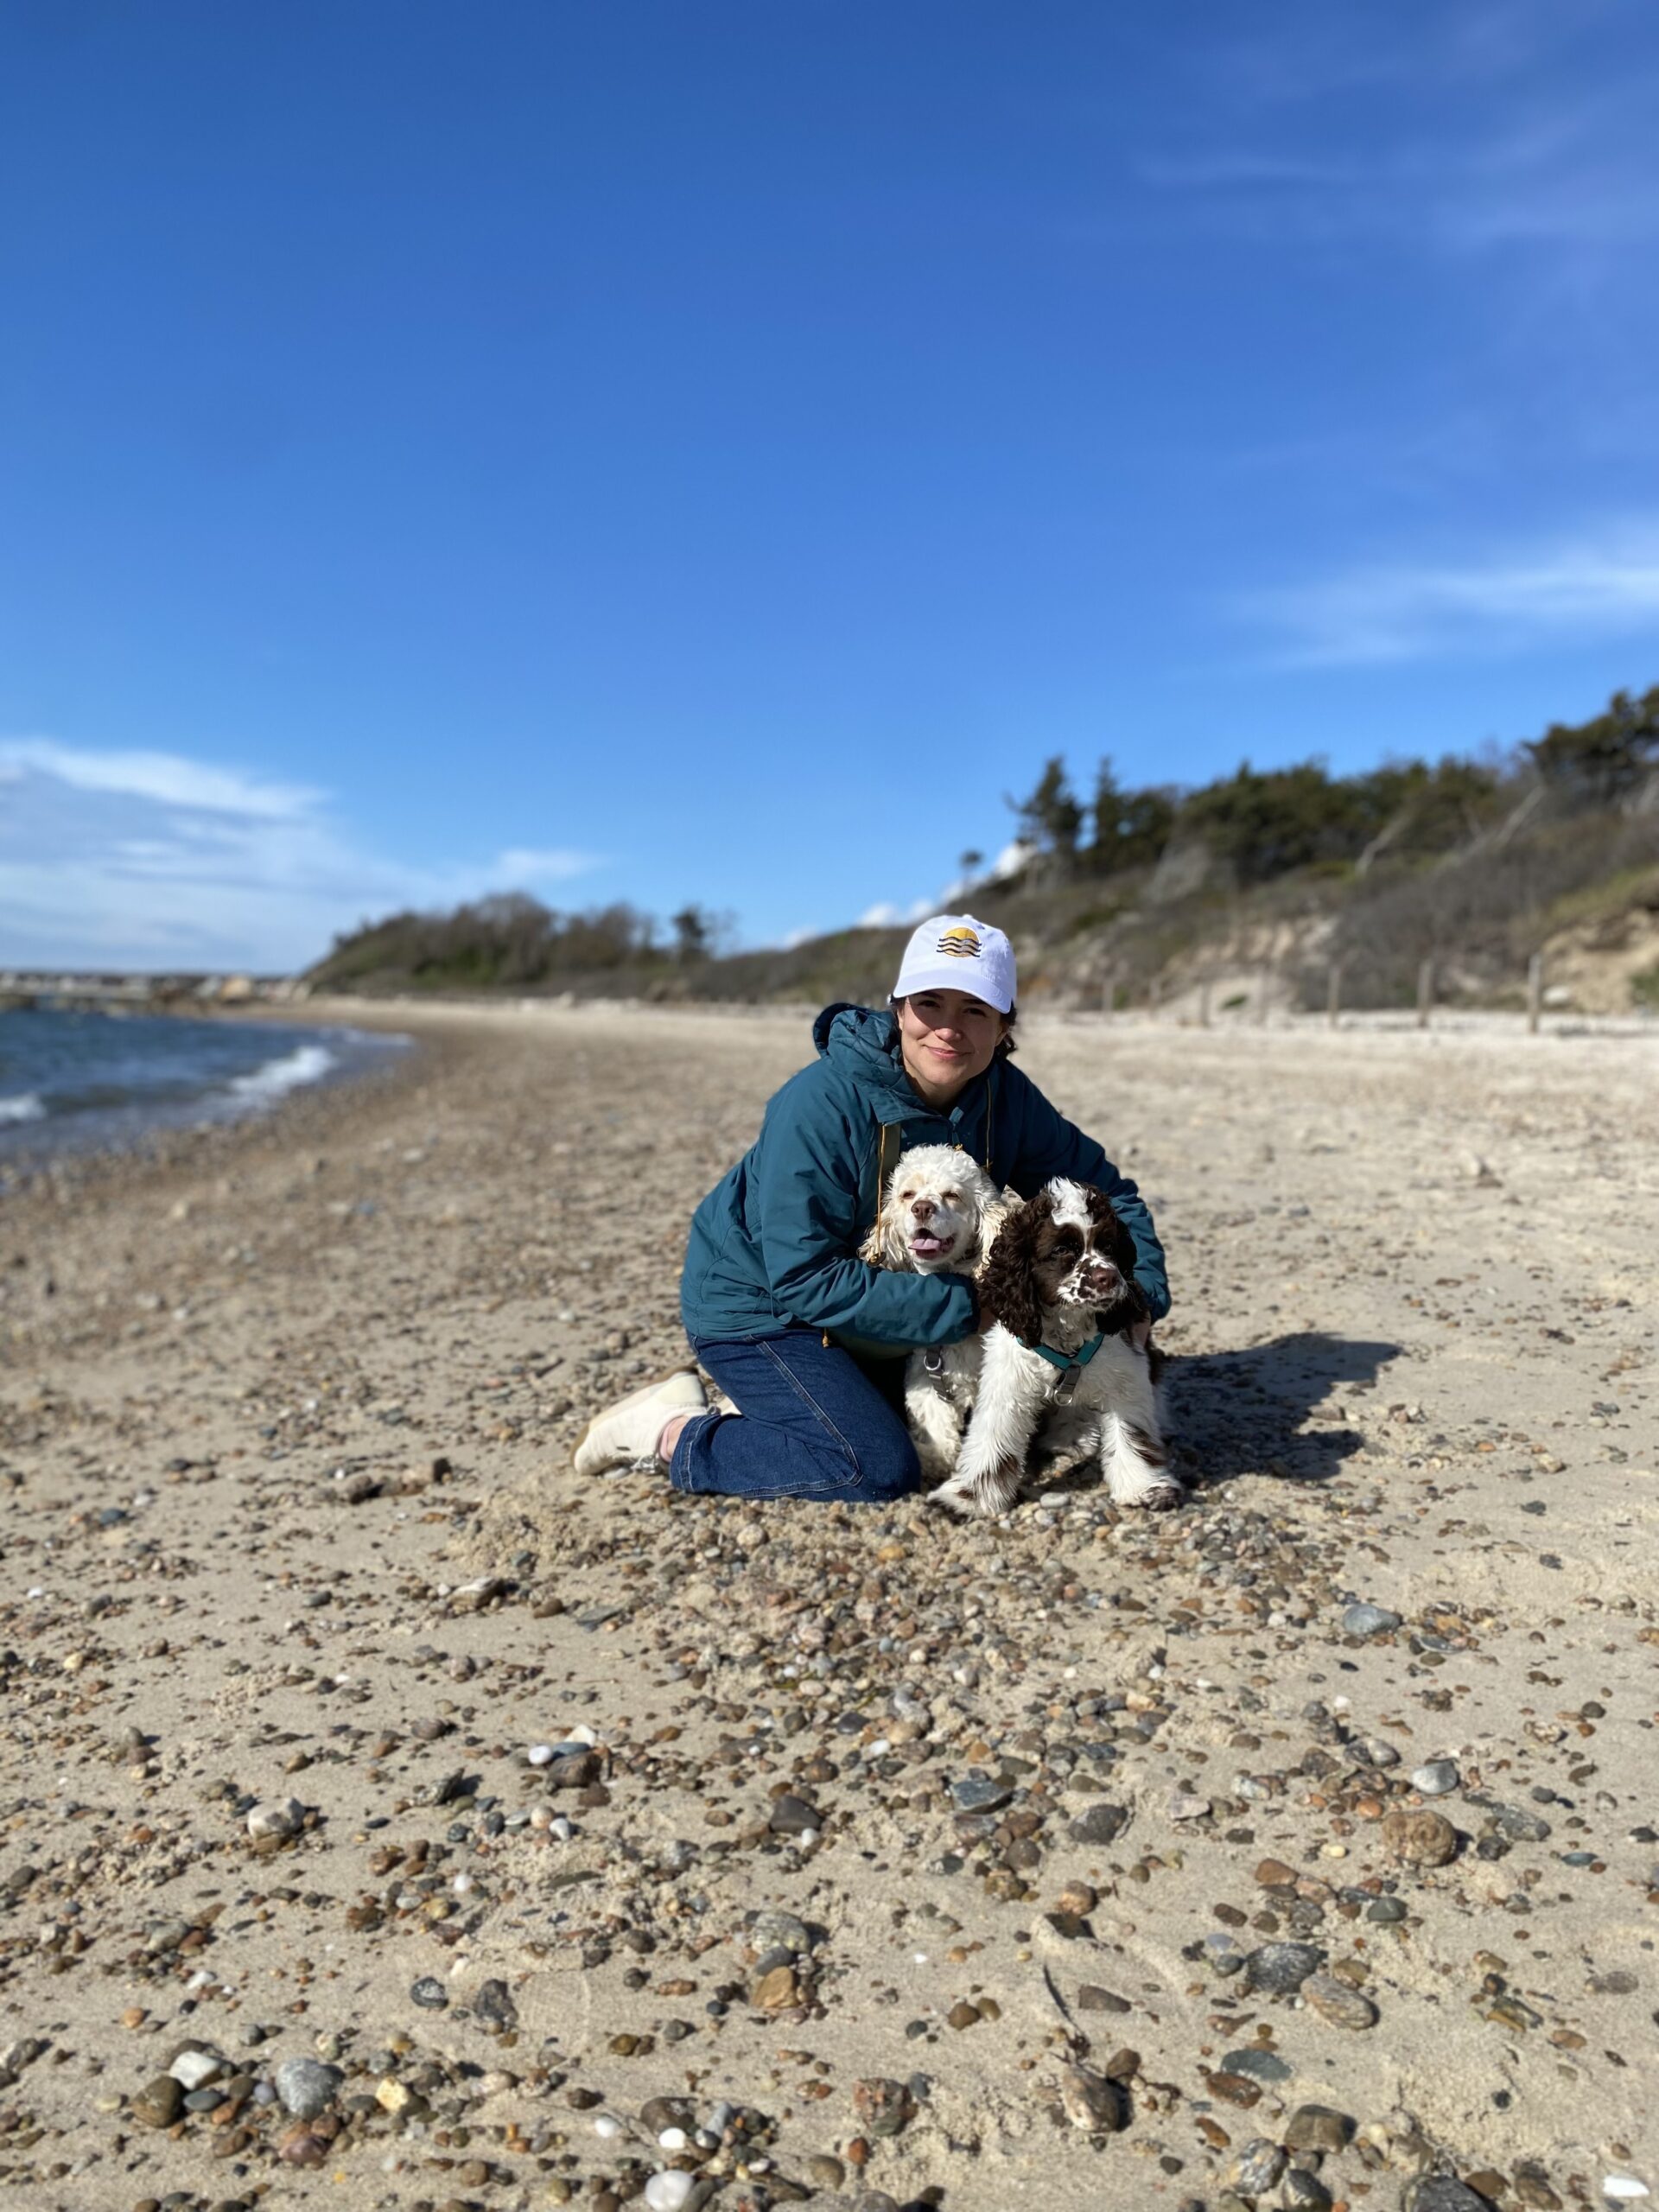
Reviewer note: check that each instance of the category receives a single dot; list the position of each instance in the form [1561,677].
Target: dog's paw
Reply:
[984,1495]
[1151,1493]
[955,1496]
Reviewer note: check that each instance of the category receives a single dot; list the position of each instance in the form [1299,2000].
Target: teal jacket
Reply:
[774,1244]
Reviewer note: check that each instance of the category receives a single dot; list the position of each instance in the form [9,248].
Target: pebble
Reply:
[1260,2065]
[1102,1823]
[668,2191]
[780,1931]
[776,1991]
[1093,1999]
[792,1815]
[493,2005]
[1303,2192]
[1434,1779]
[1317,2127]
[1420,1838]
[1441,2193]
[1257,2167]
[978,1796]
[305,2087]
[883,2107]
[1090,2101]
[159,2103]
[429,1993]
[1369,1620]
[279,1816]
[193,2070]
[1514,1821]
[1334,2001]
[1280,1969]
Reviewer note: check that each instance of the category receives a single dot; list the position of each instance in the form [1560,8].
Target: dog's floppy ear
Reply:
[1126,1309]
[1117,1240]
[1130,1305]
[877,1250]
[996,1213]
[1007,1288]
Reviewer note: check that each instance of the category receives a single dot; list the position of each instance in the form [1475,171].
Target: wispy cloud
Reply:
[113,859]
[1593,587]
[528,867]
[1461,131]
[886,914]
[165,777]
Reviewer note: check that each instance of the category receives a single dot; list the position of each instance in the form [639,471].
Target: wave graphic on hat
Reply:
[957,952]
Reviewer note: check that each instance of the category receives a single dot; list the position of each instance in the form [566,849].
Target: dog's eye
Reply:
[953,1198]
[1068,1242]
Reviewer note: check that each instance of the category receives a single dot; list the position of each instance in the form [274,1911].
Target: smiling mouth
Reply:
[928,1248]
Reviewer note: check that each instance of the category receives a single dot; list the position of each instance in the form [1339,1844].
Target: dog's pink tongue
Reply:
[927,1246]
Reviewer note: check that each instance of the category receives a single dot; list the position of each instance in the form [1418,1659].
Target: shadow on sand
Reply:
[1243,1413]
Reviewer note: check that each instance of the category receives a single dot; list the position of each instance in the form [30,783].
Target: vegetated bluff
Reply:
[1475,863]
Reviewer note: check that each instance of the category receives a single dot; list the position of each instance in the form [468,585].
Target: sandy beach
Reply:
[1080,1861]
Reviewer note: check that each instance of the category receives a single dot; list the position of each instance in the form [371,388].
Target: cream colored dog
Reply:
[940,1216]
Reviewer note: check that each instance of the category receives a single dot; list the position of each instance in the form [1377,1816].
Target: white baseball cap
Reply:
[954,953]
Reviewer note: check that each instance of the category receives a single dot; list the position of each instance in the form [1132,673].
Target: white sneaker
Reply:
[628,1432]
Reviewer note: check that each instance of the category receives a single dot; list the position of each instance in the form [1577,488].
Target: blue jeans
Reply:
[814,1423]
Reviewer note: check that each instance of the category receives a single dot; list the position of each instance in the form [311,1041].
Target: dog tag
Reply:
[1068,1384]
[933,1363]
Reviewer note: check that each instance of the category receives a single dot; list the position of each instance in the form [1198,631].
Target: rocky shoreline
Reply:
[392,1822]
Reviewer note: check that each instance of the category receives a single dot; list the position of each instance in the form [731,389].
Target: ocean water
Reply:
[79,1078]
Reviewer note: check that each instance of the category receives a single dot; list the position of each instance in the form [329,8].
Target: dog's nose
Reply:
[924,1209]
[1101,1274]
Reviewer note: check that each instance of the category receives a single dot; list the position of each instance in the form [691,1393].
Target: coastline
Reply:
[285,1420]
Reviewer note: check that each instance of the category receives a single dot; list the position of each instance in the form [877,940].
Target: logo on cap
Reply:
[961,944]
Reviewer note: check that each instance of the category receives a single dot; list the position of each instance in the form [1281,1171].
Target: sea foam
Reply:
[275,1078]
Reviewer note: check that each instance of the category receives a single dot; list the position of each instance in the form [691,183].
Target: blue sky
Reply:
[714,453]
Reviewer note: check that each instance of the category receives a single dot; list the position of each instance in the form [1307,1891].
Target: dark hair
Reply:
[1004,1043]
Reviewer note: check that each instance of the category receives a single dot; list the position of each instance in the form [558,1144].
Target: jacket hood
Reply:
[862,1041]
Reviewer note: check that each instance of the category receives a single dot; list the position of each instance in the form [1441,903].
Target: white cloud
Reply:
[165,777]
[885,915]
[1584,588]
[1539,154]
[522,865]
[146,860]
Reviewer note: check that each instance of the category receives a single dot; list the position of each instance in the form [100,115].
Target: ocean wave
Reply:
[25,1106]
[275,1078]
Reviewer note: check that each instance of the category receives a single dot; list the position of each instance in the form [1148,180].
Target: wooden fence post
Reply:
[1333,994]
[1534,991]
[1425,992]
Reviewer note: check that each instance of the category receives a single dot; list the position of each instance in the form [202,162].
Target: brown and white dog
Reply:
[1061,1277]
[939,1214]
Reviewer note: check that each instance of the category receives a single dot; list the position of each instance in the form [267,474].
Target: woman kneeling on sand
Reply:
[805,1338]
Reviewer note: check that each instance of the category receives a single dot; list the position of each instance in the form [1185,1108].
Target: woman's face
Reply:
[947,1038]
